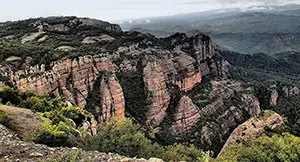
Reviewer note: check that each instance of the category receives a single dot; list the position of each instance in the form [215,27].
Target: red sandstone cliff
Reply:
[186,116]
[74,79]
[158,97]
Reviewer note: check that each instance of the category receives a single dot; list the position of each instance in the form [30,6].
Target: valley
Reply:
[89,86]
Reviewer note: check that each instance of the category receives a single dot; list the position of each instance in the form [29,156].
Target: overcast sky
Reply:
[111,10]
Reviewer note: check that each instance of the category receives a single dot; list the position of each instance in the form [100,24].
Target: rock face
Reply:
[181,71]
[102,39]
[69,23]
[188,83]
[274,98]
[164,64]
[230,105]
[158,97]
[13,149]
[254,128]
[186,116]
[276,92]
[74,79]
[112,99]
[32,36]
[13,60]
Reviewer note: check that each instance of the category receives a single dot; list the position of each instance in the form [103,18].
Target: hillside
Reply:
[99,88]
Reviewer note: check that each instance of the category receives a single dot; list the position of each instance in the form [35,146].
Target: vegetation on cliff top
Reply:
[60,130]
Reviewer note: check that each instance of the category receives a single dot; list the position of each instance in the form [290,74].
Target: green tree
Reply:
[284,147]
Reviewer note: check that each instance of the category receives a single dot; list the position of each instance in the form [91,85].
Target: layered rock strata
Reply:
[158,98]
[254,128]
[74,80]
[186,115]
[112,99]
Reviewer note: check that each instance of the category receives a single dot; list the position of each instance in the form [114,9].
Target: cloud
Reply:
[265,2]
[239,2]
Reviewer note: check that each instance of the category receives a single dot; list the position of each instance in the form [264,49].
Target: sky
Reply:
[113,10]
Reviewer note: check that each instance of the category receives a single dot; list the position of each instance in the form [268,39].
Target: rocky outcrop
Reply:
[112,99]
[226,115]
[274,97]
[181,69]
[73,79]
[289,91]
[26,123]
[230,105]
[32,36]
[158,97]
[277,91]
[101,39]
[254,128]
[14,61]
[65,48]
[13,149]
[54,28]
[186,116]
[65,24]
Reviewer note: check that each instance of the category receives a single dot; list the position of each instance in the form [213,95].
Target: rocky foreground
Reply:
[13,149]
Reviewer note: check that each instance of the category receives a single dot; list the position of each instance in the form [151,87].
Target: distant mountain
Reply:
[267,29]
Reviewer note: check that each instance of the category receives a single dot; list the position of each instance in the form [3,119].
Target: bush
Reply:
[75,113]
[125,138]
[135,97]
[290,108]
[51,136]
[284,147]
[8,94]
[61,130]
[71,156]
[4,119]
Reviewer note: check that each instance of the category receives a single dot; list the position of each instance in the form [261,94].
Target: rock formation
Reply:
[112,99]
[158,97]
[74,80]
[254,128]
[71,23]
[163,64]
[230,106]
[186,116]
[276,92]
[102,39]
[24,121]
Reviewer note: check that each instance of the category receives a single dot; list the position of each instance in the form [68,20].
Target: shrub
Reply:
[135,97]
[284,147]
[8,94]
[51,136]
[71,156]
[125,138]
[75,113]
[290,108]
[4,119]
